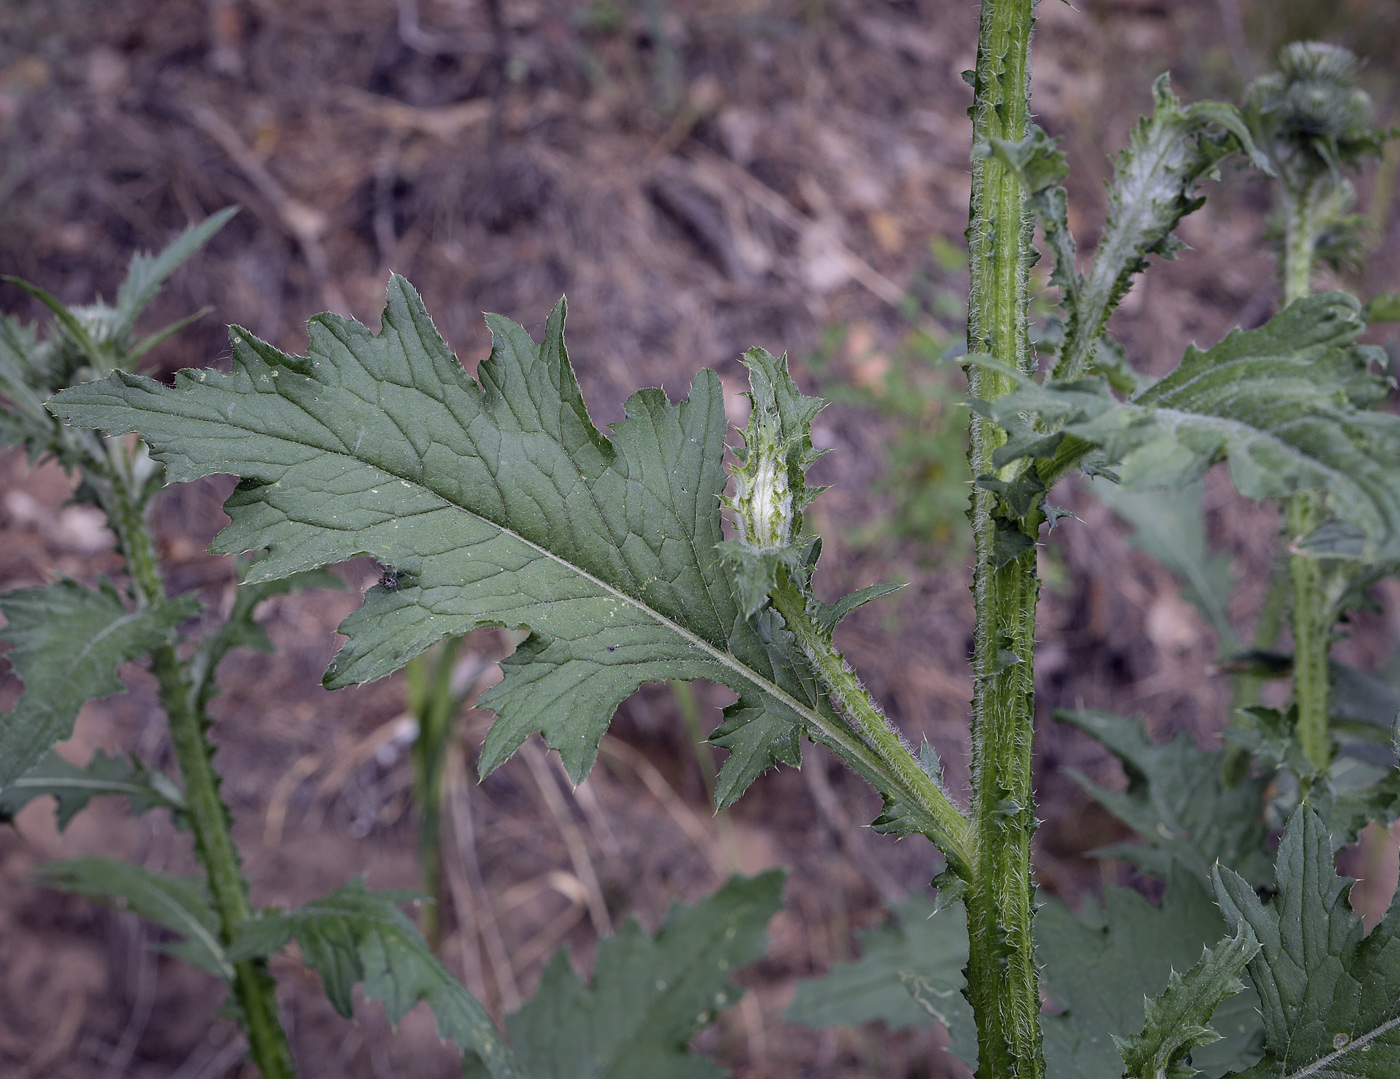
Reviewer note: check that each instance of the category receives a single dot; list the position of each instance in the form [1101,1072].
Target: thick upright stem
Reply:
[1002,979]
[1312,635]
[253,986]
[1312,613]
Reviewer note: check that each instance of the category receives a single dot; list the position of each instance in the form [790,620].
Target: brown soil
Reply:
[698,178]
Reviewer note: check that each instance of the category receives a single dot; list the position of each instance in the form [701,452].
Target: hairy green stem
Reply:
[253,986]
[433,704]
[1002,980]
[1312,614]
[1312,635]
[899,769]
[1303,224]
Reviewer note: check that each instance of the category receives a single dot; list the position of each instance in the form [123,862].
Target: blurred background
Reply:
[698,176]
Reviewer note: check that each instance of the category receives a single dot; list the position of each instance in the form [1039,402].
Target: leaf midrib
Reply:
[720,656]
[1316,1066]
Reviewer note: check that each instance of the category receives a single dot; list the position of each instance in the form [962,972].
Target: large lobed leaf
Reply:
[497,502]
[1178,803]
[910,970]
[1105,967]
[606,548]
[1330,998]
[1281,403]
[68,640]
[1101,969]
[356,936]
[648,996]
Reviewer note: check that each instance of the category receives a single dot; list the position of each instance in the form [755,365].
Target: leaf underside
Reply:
[68,641]
[497,502]
[1281,404]
[74,787]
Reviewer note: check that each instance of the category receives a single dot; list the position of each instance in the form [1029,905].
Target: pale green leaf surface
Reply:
[68,640]
[648,996]
[1153,187]
[74,787]
[497,503]
[1177,803]
[1276,402]
[1330,999]
[1102,967]
[356,936]
[181,904]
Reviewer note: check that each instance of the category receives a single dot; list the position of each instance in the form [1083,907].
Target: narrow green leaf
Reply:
[150,341]
[829,615]
[98,357]
[496,504]
[356,936]
[1178,1020]
[648,996]
[1153,188]
[1278,403]
[74,787]
[1330,998]
[147,273]
[68,641]
[1177,804]
[181,904]
[25,421]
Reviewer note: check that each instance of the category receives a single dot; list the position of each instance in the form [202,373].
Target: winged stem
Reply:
[1003,984]
[1304,219]
[898,767]
[253,986]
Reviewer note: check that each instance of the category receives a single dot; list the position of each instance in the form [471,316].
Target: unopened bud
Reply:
[762,503]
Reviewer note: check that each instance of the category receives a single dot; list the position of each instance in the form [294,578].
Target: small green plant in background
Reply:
[495,501]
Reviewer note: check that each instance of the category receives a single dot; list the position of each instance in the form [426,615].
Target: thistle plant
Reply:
[495,501]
